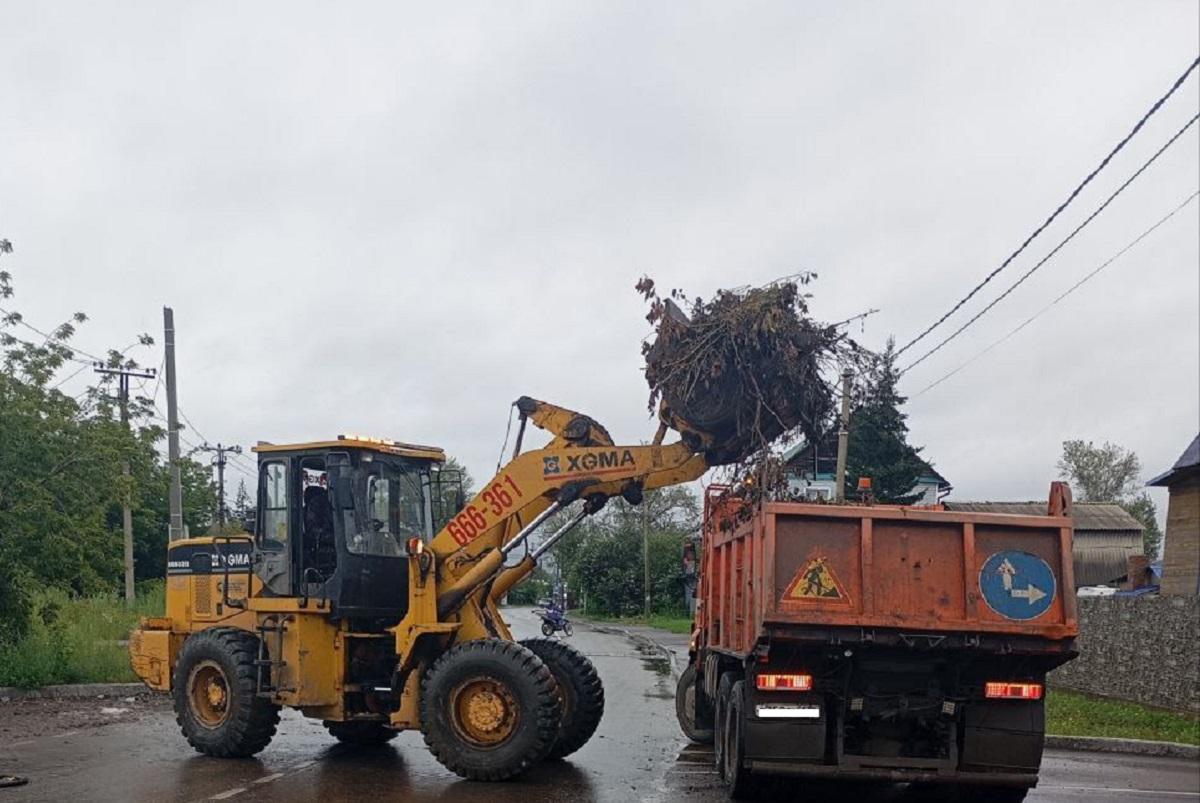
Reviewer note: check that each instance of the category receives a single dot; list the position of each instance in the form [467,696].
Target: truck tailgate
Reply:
[907,568]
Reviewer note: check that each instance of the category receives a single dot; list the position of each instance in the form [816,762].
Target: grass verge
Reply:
[1073,714]
[77,639]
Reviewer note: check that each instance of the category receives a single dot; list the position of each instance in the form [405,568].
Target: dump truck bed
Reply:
[783,568]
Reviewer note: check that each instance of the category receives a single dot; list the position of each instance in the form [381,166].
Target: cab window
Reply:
[394,505]
[274,532]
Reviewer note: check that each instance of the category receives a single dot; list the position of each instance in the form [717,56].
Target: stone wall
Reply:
[1144,649]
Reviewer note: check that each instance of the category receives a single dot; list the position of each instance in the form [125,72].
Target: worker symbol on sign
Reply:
[1017,585]
[816,582]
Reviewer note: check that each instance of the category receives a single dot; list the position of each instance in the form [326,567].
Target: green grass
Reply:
[1071,714]
[75,639]
[673,623]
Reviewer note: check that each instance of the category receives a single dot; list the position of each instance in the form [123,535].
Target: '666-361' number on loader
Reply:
[470,522]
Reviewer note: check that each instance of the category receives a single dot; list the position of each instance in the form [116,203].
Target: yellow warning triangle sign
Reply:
[816,582]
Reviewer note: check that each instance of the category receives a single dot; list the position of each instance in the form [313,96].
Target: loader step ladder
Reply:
[269,670]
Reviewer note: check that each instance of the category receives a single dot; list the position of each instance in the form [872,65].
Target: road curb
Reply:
[1135,747]
[641,638]
[72,690]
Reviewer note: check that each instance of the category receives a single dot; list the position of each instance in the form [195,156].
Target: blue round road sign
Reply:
[1017,585]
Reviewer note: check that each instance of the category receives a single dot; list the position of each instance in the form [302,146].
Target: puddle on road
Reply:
[654,661]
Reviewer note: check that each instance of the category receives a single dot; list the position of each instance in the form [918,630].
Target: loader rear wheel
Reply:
[361,733]
[489,709]
[692,710]
[580,693]
[216,704]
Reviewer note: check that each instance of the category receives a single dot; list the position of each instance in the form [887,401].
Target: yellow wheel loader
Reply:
[366,597]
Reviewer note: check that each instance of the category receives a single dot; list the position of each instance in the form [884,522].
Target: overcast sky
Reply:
[395,219]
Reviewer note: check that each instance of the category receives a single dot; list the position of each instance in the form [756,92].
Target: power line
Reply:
[1178,82]
[1055,250]
[1068,292]
[8,316]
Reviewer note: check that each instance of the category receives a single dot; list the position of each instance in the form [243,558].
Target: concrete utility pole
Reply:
[839,490]
[123,375]
[175,495]
[219,461]
[646,549]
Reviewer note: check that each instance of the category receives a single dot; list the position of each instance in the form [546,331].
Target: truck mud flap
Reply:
[1003,736]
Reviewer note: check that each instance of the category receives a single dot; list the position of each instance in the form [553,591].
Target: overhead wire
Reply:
[1129,246]
[1055,250]
[1074,193]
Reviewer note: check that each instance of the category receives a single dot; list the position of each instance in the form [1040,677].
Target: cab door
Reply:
[276,527]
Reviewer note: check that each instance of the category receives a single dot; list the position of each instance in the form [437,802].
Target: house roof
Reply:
[825,461]
[1187,461]
[1088,516]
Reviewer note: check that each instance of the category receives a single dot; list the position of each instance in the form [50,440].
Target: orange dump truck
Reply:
[878,642]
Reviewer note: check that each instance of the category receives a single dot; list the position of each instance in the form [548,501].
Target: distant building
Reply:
[812,471]
[1105,536]
[1181,554]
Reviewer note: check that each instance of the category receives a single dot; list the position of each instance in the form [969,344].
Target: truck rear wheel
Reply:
[489,709]
[738,778]
[360,733]
[215,694]
[580,693]
[722,712]
[691,709]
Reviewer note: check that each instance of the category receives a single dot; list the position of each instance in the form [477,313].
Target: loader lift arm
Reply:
[580,463]
[457,578]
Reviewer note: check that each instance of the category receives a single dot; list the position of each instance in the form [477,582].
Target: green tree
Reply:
[1142,508]
[61,487]
[878,444]
[1109,473]
[1105,473]
[603,559]
[243,505]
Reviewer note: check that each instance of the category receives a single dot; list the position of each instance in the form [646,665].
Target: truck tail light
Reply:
[1004,690]
[783,682]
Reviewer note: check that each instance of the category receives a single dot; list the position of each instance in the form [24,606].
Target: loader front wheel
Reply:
[489,709]
[215,695]
[580,693]
[361,733]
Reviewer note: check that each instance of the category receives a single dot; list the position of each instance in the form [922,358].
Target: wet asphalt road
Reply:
[637,754]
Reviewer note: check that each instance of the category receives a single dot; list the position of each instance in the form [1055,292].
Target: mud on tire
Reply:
[489,709]
[360,733]
[580,692]
[214,691]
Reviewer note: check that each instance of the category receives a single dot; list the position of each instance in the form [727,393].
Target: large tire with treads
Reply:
[489,709]
[215,693]
[581,693]
[692,709]
[361,733]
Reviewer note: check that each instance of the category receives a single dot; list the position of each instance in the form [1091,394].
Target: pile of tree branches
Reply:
[744,369]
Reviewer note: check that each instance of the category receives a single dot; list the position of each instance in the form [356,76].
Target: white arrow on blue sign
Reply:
[1017,585]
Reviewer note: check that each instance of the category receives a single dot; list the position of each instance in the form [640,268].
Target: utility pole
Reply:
[175,495]
[219,461]
[123,375]
[646,550]
[839,490]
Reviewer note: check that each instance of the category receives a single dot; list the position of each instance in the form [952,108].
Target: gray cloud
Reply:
[396,219]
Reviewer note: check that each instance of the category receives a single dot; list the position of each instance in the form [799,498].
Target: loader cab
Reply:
[335,517]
